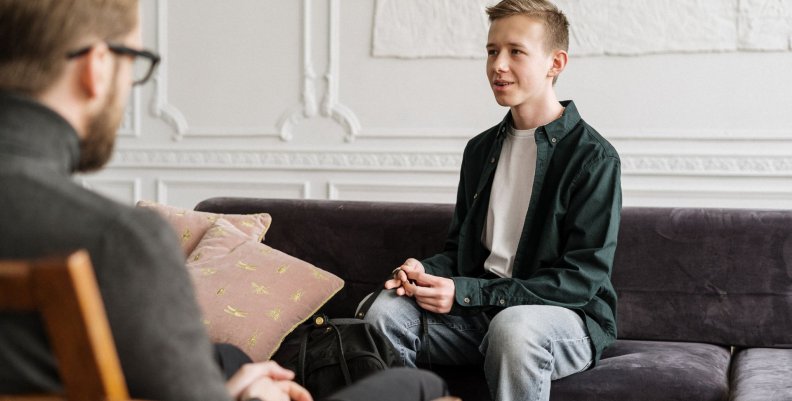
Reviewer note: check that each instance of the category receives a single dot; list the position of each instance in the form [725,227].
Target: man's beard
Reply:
[97,146]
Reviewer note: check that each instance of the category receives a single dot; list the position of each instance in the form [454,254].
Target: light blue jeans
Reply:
[523,348]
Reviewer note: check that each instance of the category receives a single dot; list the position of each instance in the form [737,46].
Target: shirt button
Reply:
[554,140]
[492,160]
[467,300]
[502,302]
[475,195]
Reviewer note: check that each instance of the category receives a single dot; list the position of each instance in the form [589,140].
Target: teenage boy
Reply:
[523,283]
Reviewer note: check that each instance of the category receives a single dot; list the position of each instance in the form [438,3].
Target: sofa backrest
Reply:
[361,242]
[720,276]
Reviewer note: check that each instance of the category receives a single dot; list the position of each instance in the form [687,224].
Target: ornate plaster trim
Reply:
[331,107]
[162,108]
[717,165]
[717,135]
[134,185]
[308,107]
[130,126]
[336,190]
[287,160]
[167,186]
[632,164]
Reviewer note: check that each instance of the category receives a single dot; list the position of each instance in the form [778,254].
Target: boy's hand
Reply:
[400,275]
[432,293]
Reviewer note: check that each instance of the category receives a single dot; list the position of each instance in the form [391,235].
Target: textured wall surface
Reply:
[457,28]
[294,99]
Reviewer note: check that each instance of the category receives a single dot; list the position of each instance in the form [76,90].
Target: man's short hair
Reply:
[555,22]
[35,36]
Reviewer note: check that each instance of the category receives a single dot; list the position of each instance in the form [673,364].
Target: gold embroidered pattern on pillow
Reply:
[191,226]
[252,295]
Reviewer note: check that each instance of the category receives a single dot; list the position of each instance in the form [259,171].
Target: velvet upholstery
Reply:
[721,276]
[657,370]
[761,374]
[691,283]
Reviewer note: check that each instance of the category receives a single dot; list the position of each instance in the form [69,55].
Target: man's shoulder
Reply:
[50,214]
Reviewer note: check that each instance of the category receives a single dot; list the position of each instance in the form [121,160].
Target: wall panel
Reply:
[324,99]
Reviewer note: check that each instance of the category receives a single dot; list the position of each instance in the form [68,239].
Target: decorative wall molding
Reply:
[736,197]
[297,160]
[167,187]
[130,125]
[704,135]
[453,28]
[722,194]
[164,110]
[393,192]
[699,135]
[331,107]
[308,106]
[120,189]
[632,164]
[161,108]
[289,119]
[718,165]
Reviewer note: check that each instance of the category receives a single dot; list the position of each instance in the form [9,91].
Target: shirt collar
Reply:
[557,129]
[28,129]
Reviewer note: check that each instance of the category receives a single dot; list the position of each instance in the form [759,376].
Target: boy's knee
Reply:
[514,330]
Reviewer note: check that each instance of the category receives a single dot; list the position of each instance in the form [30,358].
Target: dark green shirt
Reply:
[565,254]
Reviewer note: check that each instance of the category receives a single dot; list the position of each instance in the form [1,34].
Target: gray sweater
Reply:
[164,350]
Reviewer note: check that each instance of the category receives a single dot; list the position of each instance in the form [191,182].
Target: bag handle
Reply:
[366,303]
[319,322]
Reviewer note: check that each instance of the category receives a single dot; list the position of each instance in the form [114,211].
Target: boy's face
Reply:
[518,65]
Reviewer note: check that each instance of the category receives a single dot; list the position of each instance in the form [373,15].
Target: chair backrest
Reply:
[64,291]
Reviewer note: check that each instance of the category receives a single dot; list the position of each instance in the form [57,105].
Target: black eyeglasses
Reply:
[144,61]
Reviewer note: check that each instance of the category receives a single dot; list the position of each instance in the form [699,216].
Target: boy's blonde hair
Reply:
[555,22]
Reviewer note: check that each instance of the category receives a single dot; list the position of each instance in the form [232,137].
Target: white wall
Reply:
[374,100]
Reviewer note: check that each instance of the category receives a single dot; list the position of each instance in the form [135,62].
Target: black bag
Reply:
[334,353]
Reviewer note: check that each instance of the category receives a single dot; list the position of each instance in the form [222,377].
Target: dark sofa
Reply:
[705,295]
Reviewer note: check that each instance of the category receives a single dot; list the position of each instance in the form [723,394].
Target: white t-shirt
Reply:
[509,199]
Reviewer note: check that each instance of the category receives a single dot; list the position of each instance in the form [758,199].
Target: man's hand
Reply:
[409,266]
[432,293]
[268,381]
[275,390]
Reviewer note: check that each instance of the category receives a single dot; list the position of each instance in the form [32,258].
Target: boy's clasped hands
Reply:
[432,293]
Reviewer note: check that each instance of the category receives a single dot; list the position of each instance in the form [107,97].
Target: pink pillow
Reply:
[252,295]
[191,225]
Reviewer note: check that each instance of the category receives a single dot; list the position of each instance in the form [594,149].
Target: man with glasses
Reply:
[66,71]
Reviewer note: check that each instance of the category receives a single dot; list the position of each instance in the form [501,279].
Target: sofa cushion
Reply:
[191,225]
[651,371]
[252,295]
[762,374]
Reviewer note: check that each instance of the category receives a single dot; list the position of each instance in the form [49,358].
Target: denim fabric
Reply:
[523,348]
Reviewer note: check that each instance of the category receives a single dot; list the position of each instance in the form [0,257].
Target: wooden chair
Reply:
[64,291]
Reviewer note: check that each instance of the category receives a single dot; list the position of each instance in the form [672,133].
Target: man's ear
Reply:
[560,59]
[95,72]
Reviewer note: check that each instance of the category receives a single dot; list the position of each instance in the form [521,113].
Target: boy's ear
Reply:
[95,72]
[560,59]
